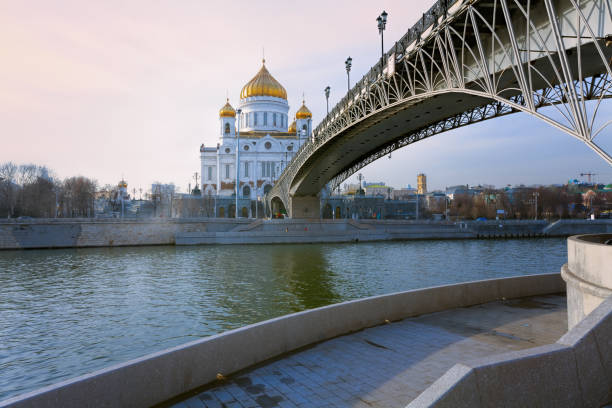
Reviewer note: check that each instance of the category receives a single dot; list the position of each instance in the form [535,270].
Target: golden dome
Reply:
[227,111]
[292,127]
[263,84]
[303,112]
[122,184]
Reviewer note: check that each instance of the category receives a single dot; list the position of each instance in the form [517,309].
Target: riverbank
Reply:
[82,233]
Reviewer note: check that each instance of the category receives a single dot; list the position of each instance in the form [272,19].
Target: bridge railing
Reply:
[429,19]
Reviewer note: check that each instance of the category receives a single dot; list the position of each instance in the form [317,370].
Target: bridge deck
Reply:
[389,365]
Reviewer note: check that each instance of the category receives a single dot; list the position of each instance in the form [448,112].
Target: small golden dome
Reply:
[227,111]
[303,112]
[292,127]
[122,184]
[263,84]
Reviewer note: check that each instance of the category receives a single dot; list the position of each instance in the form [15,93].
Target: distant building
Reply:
[453,191]
[435,200]
[350,188]
[379,190]
[122,192]
[421,183]
[403,194]
[367,207]
[162,191]
[117,202]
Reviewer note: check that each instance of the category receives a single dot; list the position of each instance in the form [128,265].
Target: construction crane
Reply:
[588,175]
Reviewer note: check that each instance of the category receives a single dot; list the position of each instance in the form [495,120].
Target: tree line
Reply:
[29,190]
[546,202]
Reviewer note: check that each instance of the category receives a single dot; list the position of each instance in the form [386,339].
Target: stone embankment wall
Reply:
[566,228]
[160,376]
[65,233]
[319,231]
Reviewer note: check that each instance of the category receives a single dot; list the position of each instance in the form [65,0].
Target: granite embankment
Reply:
[77,233]
[69,233]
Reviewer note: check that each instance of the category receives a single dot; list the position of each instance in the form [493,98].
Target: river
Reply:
[68,312]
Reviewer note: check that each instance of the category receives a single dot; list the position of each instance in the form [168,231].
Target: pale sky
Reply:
[132,88]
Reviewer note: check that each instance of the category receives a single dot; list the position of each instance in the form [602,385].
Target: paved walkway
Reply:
[389,365]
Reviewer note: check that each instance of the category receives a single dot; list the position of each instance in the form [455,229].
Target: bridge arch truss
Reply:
[464,62]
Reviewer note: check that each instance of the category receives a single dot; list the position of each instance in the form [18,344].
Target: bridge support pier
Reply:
[305,207]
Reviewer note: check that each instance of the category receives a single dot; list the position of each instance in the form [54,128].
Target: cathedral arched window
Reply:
[274,120]
[255,118]
[227,128]
[265,118]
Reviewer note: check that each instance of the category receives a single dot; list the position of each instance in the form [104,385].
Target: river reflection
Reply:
[68,312]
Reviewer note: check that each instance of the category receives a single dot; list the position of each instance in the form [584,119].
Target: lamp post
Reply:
[297,135]
[536,194]
[382,24]
[347,64]
[445,208]
[238,112]
[327,89]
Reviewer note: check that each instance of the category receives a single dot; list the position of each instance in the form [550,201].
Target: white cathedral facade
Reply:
[264,137]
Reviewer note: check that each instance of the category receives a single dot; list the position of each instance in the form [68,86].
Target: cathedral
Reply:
[259,128]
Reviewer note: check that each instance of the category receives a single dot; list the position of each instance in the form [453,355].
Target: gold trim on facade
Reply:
[258,135]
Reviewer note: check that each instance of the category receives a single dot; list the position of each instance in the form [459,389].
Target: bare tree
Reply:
[78,196]
[209,204]
[8,188]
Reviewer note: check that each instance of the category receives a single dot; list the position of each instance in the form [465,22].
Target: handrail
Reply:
[429,19]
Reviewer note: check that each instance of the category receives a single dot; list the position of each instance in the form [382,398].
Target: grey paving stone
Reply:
[194,402]
[391,364]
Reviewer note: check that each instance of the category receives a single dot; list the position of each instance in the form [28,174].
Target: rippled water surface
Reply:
[68,312]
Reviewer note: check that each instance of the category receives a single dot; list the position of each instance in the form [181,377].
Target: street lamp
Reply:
[327,89]
[238,112]
[382,24]
[348,63]
[536,194]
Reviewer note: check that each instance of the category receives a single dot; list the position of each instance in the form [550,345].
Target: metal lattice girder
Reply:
[466,61]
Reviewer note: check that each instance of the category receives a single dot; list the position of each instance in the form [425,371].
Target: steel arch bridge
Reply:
[464,62]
